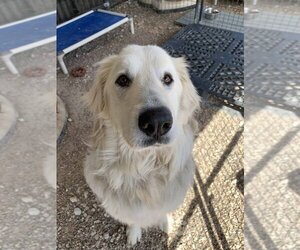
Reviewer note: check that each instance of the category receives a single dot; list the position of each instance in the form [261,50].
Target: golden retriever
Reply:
[140,162]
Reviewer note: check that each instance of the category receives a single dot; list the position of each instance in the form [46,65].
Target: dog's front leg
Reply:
[134,234]
[166,224]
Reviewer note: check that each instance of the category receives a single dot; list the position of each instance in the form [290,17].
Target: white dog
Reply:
[140,163]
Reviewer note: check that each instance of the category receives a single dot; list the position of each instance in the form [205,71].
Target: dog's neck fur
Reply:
[115,155]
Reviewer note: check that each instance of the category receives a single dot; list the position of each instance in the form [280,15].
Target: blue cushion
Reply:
[84,27]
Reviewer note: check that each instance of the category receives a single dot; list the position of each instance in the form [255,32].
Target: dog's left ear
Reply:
[190,100]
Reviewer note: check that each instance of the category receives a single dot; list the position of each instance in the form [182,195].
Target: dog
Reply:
[140,163]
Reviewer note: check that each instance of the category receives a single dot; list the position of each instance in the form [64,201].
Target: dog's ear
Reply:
[95,98]
[190,100]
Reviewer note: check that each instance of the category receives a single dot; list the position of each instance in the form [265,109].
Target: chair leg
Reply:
[131,25]
[62,64]
[9,64]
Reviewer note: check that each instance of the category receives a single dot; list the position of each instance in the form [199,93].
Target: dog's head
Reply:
[145,93]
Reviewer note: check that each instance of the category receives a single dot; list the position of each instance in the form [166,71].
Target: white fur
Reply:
[140,185]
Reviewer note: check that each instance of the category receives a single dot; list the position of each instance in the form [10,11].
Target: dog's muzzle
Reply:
[155,122]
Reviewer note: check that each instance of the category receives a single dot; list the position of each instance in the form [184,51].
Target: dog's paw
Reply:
[134,234]
[166,224]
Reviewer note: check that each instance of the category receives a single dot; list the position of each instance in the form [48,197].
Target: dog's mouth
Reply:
[155,142]
[143,143]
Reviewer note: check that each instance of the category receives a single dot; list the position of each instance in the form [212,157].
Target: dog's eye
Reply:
[123,81]
[167,79]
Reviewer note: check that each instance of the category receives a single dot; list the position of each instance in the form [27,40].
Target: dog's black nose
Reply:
[155,122]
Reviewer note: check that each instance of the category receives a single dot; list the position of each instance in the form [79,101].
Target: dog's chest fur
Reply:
[134,184]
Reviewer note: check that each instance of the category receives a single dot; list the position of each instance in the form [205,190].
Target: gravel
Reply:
[77,211]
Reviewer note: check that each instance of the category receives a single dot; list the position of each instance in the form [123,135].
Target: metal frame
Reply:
[6,58]
[226,17]
[92,37]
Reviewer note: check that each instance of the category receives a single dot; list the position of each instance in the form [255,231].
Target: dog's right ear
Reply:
[95,98]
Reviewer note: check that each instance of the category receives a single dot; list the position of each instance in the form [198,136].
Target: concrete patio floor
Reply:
[27,154]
